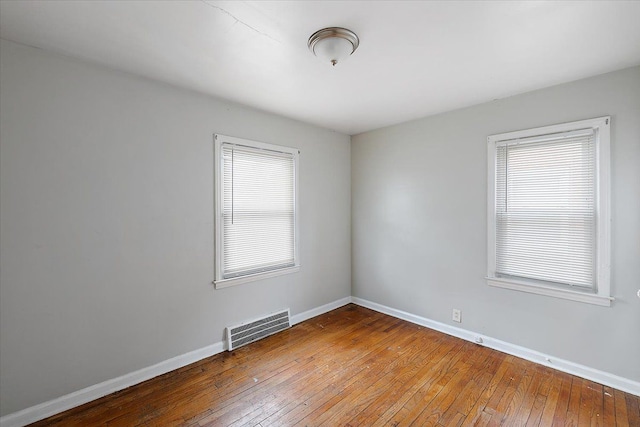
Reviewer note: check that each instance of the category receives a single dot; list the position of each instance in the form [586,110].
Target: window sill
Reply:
[225,283]
[550,291]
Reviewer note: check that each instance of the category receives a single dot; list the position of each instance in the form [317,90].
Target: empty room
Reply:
[319,213]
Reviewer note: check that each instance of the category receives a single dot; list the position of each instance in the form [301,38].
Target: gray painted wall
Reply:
[106,197]
[419,213]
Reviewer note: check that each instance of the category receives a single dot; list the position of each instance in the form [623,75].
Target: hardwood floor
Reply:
[357,367]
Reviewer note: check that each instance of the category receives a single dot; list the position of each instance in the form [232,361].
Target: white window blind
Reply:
[546,207]
[548,222]
[256,210]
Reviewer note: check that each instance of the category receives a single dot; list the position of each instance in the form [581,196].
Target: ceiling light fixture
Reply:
[333,44]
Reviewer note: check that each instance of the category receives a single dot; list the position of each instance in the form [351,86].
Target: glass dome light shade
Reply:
[333,44]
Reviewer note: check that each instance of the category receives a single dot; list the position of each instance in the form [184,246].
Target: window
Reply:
[548,211]
[256,232]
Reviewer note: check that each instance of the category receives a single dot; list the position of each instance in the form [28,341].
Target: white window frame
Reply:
[219,281]
[601,294]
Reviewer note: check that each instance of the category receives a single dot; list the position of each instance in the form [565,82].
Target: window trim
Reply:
[601,295]
[219,281]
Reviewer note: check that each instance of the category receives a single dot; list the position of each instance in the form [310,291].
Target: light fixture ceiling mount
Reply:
[333,44]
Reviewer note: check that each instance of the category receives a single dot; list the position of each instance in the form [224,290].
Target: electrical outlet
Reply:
[457,315]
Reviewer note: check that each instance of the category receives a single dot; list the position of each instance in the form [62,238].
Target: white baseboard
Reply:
[582,371]
[301,317]
[80,397]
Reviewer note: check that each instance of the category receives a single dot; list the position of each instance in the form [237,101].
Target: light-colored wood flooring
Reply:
[357,367]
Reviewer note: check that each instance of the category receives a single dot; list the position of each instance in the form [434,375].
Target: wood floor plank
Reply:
[551,403]
[357,367]
[573,408]
[519,418]
[633,409]
[598,403]
[586,404]
[560,412]
[621,408]
[590,403]
[608,411]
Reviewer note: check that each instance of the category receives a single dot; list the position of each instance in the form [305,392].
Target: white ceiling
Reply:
[416,58]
